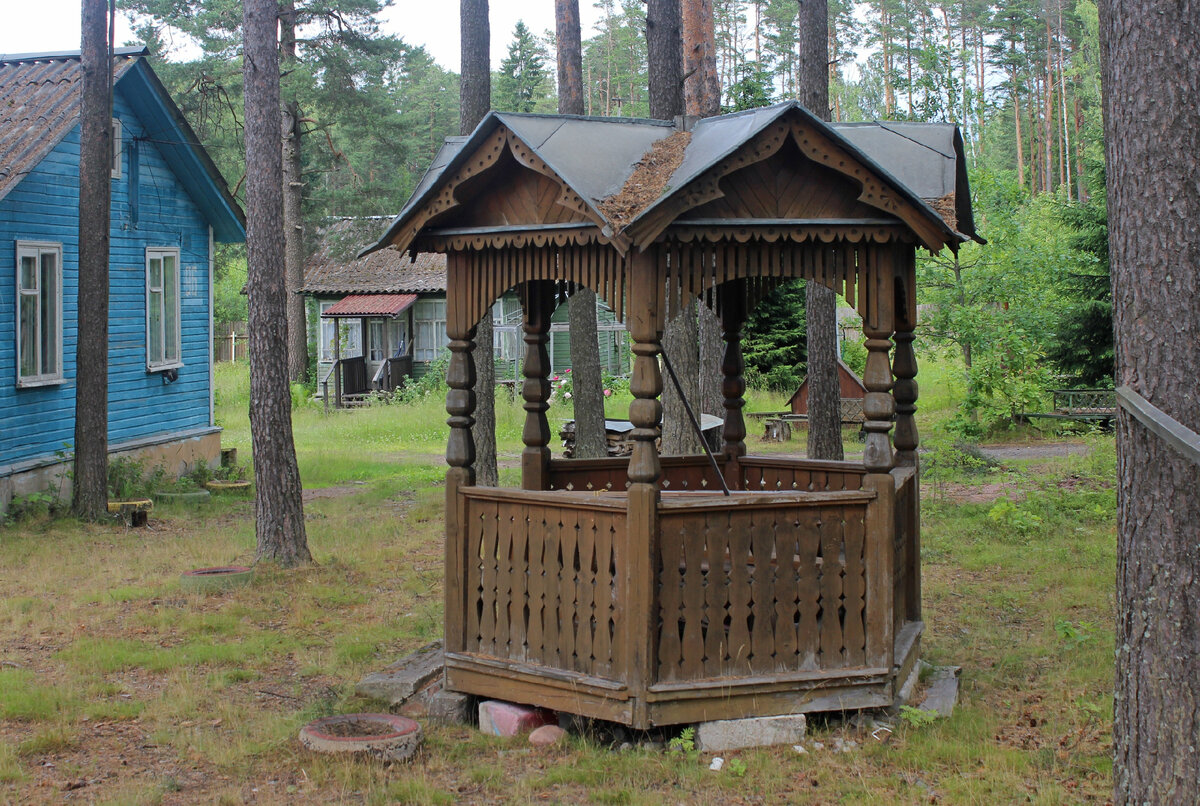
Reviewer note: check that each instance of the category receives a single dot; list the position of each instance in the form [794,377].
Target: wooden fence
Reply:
[229,342]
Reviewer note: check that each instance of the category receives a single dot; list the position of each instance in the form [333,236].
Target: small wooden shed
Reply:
[637,589]
[850,387]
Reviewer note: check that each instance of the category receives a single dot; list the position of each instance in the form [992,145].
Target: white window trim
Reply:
[37,248]
[116,148]
[161,252]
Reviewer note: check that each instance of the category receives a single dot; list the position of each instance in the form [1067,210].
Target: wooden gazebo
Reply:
[635,589]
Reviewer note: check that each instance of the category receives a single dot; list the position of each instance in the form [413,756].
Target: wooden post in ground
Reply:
[638,557]
[879,408]
[460,453]
[337,363]
[535,459]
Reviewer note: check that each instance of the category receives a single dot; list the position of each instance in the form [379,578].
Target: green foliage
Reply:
[854,353]
[737,768]
[916,718]
[1082,347]
[775,339]
[1073,634]
[126,478]
[1014,520]
[229,301]
[523,82]
[684,743]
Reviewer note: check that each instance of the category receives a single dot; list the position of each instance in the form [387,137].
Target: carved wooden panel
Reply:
[540,583]
[761,590]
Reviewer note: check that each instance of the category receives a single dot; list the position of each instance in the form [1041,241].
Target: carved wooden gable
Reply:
[786,185]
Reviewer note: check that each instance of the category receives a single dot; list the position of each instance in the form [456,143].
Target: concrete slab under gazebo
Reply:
[638,590]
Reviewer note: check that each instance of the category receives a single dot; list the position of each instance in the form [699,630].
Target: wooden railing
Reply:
[762,584]
[391,372]
[906,548]
[541,578]
[771,474]
[611,474]
[349,376]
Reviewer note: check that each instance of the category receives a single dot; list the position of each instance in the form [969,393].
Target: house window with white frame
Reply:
[431,339]
[116,148]
[39,313]
[351,331]
[162,309]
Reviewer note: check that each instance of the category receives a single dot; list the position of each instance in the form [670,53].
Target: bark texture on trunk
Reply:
[701,86]
[90,483]
[680,345]
[279,510]
[586,381]
[702,98]
[824,397]
[293,209]
[664,50]
[1151,83]
[475,97]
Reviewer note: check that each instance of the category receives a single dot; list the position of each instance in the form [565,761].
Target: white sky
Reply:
[49,25]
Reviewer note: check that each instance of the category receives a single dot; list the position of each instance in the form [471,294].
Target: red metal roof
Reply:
[371,305]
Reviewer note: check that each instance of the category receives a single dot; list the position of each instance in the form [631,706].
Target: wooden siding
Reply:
[38,422]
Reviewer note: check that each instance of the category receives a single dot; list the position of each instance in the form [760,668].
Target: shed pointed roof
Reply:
[595,156]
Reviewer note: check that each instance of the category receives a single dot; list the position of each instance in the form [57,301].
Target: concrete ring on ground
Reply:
[385,737]
[219,578]
[227,486]
[185,497]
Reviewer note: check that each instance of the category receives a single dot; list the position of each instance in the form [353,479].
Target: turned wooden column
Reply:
[904,368]
[639,555]
[535,459]
[879,408]
[733,372]
[460,456]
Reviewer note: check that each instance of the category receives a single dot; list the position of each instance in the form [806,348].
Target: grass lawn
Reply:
[117,687]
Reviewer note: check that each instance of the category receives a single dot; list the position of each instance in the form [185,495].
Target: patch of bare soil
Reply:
[340,491]
[976,493]
[648,180]
[1035,450]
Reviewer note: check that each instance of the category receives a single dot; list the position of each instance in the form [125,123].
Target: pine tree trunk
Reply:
[475,97]
[824,394]
[586,381]
[664,51]
[701,88]
[279,510]
[1151,84]
[90,482]
[680,347]
[293,213]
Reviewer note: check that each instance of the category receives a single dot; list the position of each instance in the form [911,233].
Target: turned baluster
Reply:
[733,367]
[535,459]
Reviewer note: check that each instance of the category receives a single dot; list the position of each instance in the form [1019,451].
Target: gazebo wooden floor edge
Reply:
[695,701]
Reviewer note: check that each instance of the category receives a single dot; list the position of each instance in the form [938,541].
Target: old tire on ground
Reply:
[219,578]
[385,737]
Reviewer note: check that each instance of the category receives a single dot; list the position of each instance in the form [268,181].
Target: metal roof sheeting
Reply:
[595,156]
[370,305]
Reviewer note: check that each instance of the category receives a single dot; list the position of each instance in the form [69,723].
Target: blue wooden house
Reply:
[169,205]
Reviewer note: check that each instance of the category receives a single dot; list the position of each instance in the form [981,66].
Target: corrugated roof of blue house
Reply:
[169,204]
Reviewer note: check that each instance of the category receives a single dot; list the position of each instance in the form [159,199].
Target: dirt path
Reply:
[1037,450]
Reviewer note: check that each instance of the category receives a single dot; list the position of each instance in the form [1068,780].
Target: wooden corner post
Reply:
[904,369]
[640,553]
[733,371]
[460,449]
[879,409]
[538,301]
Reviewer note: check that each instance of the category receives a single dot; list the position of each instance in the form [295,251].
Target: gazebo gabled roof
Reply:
[593,158]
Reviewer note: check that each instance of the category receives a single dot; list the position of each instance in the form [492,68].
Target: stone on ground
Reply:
[509,719]
[942,693]
[763,731]
[546,735]
[449,707]
[396,684]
